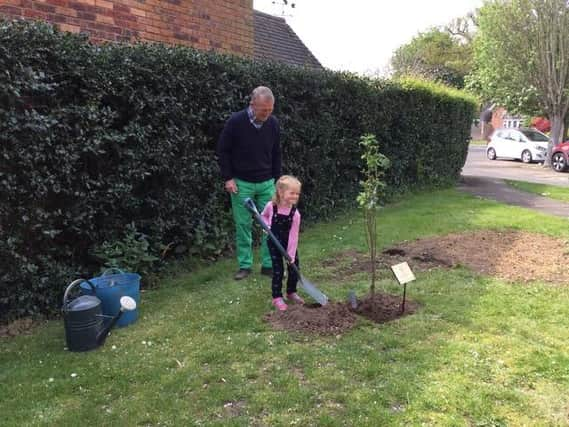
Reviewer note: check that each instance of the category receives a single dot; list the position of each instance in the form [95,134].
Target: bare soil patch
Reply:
[234,408]
[516,256]
[23,326]
[331,319]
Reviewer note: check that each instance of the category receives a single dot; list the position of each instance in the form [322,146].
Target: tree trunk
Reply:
[557,131]
[370,226]
[373,246]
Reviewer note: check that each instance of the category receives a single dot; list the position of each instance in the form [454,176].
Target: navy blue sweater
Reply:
[248,153]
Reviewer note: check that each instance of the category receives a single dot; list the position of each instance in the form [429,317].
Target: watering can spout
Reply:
[127,304]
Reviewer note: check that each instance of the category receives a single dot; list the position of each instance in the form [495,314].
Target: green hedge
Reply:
[94,139]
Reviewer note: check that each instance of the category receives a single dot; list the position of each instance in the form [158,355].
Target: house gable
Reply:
[276,41]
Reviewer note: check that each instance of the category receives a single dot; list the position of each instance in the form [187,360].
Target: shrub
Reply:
[131,253]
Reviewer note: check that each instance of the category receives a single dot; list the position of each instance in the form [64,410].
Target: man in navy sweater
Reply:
[249,153]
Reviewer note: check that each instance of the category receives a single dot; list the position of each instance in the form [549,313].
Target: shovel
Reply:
[308,287]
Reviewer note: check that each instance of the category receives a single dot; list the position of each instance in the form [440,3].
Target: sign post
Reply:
[404,275]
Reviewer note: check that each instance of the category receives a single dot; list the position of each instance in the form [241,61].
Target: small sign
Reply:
[403,273]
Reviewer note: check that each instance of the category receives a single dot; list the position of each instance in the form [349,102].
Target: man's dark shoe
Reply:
[267,271]
[242,273]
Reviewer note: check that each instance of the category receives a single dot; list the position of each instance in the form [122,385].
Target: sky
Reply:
[361,35]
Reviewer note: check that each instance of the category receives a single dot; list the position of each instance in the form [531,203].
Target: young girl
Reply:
[283,218]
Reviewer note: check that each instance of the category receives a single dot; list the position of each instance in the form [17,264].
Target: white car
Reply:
[527,145]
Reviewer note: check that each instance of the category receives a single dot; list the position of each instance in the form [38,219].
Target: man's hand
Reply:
[230,186]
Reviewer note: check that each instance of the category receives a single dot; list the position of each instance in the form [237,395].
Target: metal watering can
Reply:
[84,321]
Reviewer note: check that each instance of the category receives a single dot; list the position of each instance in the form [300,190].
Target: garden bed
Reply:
[514,256]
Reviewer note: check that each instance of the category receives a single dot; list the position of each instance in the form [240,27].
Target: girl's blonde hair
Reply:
[284,183]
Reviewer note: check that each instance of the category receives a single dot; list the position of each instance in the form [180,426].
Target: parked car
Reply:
[560,156]
[525,144]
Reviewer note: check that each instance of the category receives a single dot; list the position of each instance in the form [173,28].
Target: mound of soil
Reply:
[381,307]
[331,319]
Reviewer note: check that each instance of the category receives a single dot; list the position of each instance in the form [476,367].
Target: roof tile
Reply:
[275,40]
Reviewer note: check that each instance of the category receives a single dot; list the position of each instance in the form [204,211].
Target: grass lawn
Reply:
[480,352]
[551,191]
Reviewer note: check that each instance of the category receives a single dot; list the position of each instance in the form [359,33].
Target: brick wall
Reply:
[222,25]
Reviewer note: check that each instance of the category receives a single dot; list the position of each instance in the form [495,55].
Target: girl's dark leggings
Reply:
[278,273]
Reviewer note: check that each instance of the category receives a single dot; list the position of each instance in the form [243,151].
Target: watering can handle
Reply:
[74,283]
[112,270]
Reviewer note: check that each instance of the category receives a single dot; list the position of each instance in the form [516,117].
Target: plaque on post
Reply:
[404,275]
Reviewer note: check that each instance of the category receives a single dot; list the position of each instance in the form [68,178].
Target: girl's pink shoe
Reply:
[295,297]
[279,304]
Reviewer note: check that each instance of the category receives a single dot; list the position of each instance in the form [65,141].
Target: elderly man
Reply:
[249,154]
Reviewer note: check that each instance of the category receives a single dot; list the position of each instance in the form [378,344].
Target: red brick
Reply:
[124,16]
[87,16]
[83,7]
[11,10]
[104,4]
[61,3]
[44,7]
[17,3]
[125,24]
[105,19]
[59,19]
[137,12]
[65,12]
[118,7]
[69,28]
[103,27]
[35,14]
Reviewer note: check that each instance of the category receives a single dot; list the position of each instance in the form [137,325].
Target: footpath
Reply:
[497,189]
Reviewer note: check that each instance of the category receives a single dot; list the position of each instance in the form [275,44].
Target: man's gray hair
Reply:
[262,92]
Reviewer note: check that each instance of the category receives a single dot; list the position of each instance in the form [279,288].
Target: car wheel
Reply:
[558,162]
[491,154]
[526,156]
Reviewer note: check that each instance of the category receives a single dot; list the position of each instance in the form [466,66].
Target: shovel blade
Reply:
[313,291]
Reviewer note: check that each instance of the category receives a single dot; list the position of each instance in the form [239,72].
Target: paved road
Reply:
[478,165]
[485,178]
[497,189]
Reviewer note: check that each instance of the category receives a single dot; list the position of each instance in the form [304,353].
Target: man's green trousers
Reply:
[261,193]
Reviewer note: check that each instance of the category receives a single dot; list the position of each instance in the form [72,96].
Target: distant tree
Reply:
[464,27]
[521,59]
[434,55]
